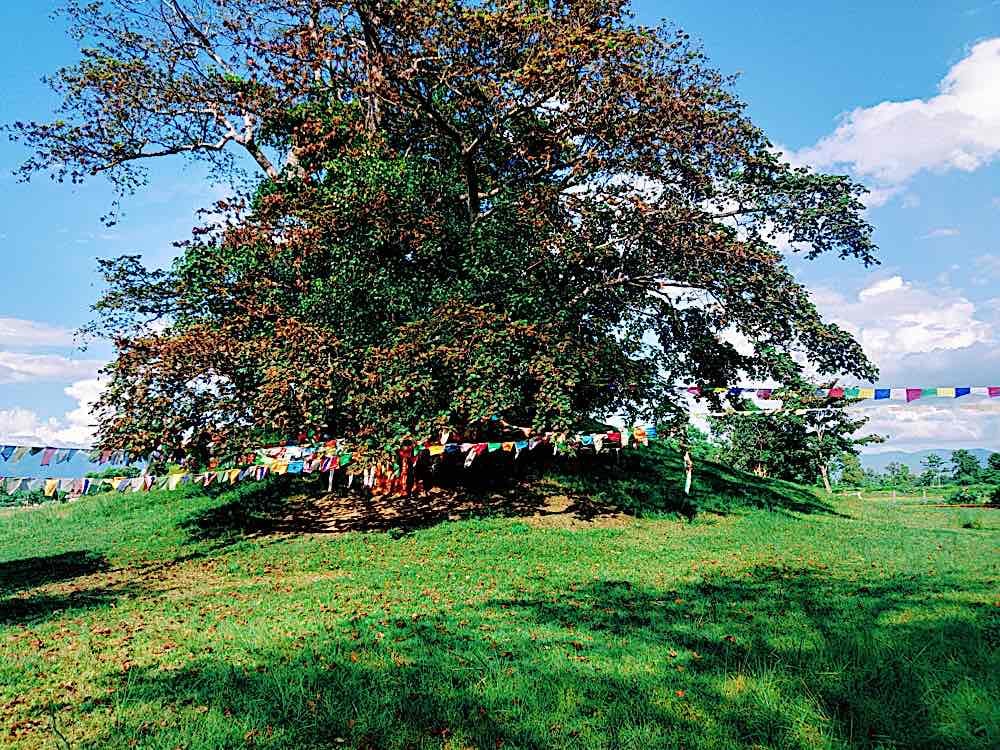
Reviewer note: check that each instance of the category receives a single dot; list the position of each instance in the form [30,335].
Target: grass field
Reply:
[525,619]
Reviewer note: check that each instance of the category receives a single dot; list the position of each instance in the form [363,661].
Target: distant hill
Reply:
[878,461]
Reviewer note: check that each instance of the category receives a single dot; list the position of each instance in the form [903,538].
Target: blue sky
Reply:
[904,95]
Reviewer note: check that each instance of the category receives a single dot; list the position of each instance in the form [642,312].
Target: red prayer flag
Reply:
[912,394]
[836,393]
[994,391]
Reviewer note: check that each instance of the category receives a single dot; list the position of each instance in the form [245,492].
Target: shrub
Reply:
[964,496]
[113,472]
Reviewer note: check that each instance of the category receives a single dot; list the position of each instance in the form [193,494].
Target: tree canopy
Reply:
[966,468]
[454,211]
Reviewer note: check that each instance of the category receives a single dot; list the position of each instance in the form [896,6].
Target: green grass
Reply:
[775,621]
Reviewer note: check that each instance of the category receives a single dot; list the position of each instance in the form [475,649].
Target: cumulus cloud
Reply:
[75,428]
[956,129]
[18,367]
[951,425]
[30,333]
[905,328]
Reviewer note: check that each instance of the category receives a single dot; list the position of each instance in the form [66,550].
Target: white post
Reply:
[689,472]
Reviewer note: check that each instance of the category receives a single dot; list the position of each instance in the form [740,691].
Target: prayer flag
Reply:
[6,452]
[764,394]
[912,394]
[51,485]
[993,391]
[929,392]
[866,393]
[946,392]
[852,392]
[694,390]
[959,392]
[836,393]
[47,455]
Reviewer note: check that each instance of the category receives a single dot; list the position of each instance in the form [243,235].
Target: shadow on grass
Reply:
[20,603]
[32,608]
[585,488]
[786,658]
[27,573]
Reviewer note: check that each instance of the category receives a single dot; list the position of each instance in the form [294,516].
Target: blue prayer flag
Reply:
[882,393]
[959,392]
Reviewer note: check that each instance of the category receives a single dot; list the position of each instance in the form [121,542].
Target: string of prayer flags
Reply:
[855,393]
[296,460]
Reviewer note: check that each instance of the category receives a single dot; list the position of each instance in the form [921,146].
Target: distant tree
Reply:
[801,440]
[993,467]
[457,210]
[113,472]
[966,468]
[701,444]
[934,467]
[902,477]
[850,471]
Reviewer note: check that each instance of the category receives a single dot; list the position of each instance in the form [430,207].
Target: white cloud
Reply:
[885,286]
[922,426]
[907,328]
[17,367]
[957,129]
[17,332]
[75,428]
[880,196]
[941,232]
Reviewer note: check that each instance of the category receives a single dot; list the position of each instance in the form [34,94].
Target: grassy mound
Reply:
[545,616]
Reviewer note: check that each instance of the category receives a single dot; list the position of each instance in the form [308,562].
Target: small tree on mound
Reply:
[798,442]
[463,210]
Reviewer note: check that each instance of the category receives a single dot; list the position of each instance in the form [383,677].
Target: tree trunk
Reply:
[826,479]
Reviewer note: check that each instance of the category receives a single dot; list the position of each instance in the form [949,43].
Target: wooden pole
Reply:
[688,472]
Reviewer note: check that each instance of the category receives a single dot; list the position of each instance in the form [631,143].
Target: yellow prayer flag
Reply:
[51,485]
[173,480]
[279,467]
[946,392]
[436,450]
[866,393]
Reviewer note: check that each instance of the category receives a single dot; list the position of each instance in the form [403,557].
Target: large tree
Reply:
[537,211]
